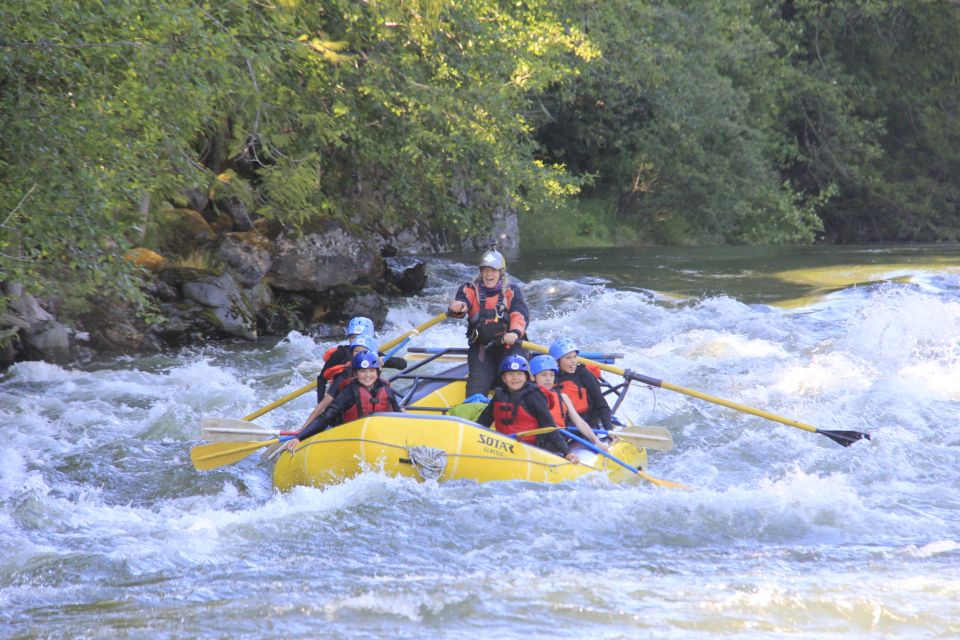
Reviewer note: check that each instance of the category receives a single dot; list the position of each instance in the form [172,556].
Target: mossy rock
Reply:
[178,232]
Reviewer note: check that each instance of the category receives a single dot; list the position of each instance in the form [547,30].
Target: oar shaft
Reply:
[654,382]
[313,385]
[646,476]
[285,399]
[240,448]
[733,405]
[416,330]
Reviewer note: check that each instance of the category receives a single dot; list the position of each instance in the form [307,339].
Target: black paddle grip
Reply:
[639,377]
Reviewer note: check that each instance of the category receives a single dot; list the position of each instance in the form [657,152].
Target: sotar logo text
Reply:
[489,441]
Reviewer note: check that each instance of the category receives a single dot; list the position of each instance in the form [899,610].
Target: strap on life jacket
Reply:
[489,322]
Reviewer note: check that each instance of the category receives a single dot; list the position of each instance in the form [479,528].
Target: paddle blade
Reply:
[660,482]
[233,430]
[271,452]
[219,454]
[646,437]
[846,438]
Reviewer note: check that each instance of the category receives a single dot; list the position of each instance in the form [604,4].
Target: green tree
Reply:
[98,108]
[678,122]
[876,114]
[380,112]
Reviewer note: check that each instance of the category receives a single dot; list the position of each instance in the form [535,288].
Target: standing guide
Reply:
[497,320]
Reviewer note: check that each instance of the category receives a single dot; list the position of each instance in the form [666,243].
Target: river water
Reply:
[107,531]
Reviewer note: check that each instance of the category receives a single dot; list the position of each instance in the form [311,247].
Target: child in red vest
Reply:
[338,357]
[581,385]
[365,394]
[521,406]
[544,369]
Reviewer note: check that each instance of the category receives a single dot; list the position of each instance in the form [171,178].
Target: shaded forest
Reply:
[688,122]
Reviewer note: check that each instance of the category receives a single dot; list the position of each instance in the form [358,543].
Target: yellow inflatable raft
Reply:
[428,443]
[436,447]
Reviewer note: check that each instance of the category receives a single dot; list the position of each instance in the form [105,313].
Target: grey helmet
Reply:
[493,259]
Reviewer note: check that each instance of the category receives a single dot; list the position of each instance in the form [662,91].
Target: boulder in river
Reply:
[327,255]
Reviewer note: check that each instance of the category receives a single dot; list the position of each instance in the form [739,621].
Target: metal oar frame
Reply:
[420,378]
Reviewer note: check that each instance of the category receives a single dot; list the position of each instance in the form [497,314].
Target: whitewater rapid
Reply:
[106,529]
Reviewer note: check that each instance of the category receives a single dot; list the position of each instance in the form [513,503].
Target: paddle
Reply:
[643,437]
[589,445]
[384,347]
[232,430]
[646,476]
[219,454]
[845,438]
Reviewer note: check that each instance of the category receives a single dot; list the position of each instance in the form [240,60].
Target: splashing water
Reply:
[107,530]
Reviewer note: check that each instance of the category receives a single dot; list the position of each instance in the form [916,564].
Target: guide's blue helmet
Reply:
[562,347]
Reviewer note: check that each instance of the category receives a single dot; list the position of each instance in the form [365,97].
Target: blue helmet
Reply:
[360,325]
[515,363]
[363,340]
[366,360]
[562,347]
[543,363]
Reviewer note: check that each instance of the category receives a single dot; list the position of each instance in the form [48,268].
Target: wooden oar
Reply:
[313,385]
[219,454]
[589,445]
[846,438]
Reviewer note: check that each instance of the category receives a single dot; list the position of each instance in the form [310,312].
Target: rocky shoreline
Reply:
[258,280]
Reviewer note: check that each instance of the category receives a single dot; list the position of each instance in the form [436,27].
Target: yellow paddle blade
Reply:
[219,454]
[667,484]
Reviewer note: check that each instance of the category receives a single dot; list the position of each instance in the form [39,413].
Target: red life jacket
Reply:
[366,402]
[569,383]
[512,417]
[334,371]
[343,353]
[558,408]
[489,317]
